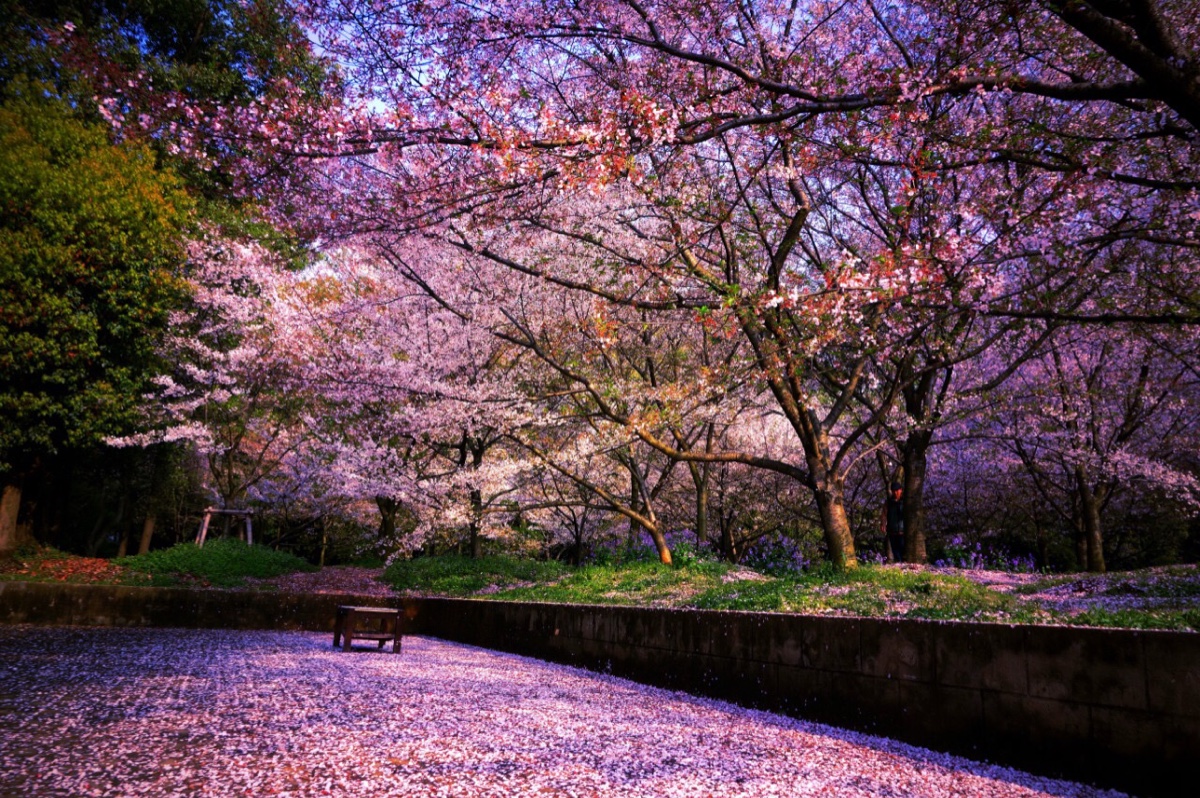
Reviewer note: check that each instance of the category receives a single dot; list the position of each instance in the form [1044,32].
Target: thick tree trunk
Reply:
[1089,511]
[387,516]
[147,533]
[10,504]
[839,540]
[915,468]
[830,495]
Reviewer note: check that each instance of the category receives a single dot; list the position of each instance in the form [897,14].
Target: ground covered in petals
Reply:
[164,712]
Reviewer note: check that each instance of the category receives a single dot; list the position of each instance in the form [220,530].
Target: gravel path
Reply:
[123,712]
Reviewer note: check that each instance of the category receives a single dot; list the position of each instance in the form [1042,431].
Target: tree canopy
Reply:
[623,260]
[90,252]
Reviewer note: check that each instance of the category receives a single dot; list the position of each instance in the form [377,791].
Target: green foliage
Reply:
[455,575]
[214,52]
[225,562]
[687,555]
[89,242]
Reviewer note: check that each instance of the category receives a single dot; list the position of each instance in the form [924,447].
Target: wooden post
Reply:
[249,531]
[204,527]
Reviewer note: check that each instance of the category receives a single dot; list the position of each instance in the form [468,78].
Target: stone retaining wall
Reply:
[1115,707]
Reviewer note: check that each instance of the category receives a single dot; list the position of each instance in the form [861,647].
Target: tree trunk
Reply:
[634,526]
[660,545]
[324,542]
[476,523]
[700,478]
[830,494]
[10,504]
[147,533]
[839,540]
[387,516]
[728,546]
[702,513]
[915,468]
[1089,511]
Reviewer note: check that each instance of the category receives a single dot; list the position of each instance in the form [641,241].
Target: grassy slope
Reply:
[1160,598]
[1165,598]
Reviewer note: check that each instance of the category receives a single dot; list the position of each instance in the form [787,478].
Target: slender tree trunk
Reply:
[1089,511]
[147,533]
[324,542]
[476,523]
[700,477]
[660,545]
[10,504]
[123,546]
[634,526]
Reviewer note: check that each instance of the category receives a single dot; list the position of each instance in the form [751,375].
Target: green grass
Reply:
[454,575]
[870,591]
[635,583]
[1171,619]
[221,563]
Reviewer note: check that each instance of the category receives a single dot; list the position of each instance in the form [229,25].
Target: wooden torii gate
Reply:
[209,512]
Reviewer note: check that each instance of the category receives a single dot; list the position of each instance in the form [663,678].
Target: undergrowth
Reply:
[225,562]
[455,575]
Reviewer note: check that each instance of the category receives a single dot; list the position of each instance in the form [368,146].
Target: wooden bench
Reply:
[366,623]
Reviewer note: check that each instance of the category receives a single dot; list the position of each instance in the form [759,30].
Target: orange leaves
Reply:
[64,568]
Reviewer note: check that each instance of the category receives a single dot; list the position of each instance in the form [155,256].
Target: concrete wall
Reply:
[1114,707]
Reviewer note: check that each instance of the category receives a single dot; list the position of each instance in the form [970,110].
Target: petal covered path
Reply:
[121,712]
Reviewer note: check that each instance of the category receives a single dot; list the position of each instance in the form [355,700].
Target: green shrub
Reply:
[225,562]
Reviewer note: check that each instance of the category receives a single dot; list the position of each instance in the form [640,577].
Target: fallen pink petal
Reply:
[126,712]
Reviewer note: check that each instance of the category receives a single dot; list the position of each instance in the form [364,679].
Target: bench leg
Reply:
[348,631]
[339,621]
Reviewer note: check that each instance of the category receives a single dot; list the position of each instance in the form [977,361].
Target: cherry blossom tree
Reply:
[625,224]
[1116,410]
